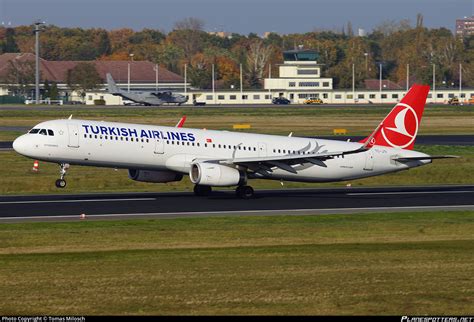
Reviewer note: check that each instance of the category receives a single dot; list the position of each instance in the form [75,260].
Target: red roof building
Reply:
[141,72]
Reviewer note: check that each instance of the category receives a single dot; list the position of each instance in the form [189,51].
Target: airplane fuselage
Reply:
[148,147]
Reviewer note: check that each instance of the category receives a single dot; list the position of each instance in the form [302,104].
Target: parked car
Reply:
[196,103]
[280,100]
[313,100]
[453,101]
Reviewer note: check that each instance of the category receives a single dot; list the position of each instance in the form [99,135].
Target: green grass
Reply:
[16,176]
[396,264]
[312,120]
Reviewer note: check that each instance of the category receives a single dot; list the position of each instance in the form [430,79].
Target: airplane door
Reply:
[262,149]
[73,132]
[159,146]
[369,161]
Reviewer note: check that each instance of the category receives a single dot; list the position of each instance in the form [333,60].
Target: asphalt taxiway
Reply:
[266,202]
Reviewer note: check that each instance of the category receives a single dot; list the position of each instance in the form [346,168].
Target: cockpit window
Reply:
[34,131]
[43,132]
[50,132]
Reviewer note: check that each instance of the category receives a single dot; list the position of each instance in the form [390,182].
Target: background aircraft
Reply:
[145,97]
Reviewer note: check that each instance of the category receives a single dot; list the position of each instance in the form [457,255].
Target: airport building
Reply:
[300,77]
[133,75]
[465,27]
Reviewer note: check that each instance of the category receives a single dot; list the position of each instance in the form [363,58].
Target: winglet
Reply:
[181,121]
[370,141]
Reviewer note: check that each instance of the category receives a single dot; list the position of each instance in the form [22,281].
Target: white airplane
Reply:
[220,158]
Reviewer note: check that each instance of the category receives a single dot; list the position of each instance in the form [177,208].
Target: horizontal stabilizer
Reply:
[428,157]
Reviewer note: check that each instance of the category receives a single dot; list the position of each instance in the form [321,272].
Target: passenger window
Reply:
[42,132]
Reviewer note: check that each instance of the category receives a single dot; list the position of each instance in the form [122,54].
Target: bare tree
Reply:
[189,23]
[257,58]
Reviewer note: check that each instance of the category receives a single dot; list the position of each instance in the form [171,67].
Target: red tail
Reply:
[400,126]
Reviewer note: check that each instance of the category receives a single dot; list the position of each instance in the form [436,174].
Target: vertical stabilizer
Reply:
[112,87]
[400,126]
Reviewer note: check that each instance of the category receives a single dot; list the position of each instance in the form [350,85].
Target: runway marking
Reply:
[236,212]
[405,193]
[72,201]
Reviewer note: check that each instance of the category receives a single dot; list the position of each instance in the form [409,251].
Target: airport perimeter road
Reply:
[267,202]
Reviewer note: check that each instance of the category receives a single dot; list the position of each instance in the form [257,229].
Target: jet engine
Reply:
[154,176]
[211,174]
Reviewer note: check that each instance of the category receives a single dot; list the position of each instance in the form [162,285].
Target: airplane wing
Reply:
[263,165]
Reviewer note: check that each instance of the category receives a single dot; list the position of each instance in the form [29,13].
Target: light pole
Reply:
[131,58]
[241,85]
[353,82]
[37,30]
[185,79]
[213,86]
[380,82]
[156,69]
[408,77]
[366,61]
[434,83]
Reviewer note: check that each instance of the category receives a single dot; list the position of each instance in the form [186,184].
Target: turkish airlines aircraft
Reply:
[221,158]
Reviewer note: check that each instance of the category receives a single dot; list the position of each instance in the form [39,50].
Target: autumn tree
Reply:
[82,78]
[9,45]
[200,71]
[20,76]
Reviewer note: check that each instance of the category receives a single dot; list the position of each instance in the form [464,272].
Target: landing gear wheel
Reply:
[244,192]
[202,191]
[60,183]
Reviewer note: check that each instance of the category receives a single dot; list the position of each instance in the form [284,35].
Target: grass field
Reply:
[274,120]
[16,176]
[397,264]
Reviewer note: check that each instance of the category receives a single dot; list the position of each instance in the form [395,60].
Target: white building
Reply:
[300,78]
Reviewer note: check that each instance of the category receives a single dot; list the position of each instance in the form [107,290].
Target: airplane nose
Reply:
[19,145]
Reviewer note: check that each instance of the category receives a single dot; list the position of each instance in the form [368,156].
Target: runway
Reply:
[266,202]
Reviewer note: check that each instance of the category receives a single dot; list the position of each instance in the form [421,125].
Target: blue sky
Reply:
[241,16]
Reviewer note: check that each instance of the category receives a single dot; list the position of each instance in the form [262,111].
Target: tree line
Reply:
[394,45]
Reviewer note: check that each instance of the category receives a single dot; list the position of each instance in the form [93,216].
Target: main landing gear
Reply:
[61,183]
[202,191]
[244,192]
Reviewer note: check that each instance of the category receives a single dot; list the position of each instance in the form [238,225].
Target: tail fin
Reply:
[400,126]
[112,87]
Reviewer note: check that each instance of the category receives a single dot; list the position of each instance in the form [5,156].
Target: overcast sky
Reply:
[241,16]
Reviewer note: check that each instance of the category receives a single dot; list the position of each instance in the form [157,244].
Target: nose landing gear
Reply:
[61,183]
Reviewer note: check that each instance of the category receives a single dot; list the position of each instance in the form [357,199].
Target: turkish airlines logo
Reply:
[404,129]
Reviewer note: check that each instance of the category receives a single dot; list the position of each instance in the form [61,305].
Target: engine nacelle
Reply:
[154,176]
[211,174]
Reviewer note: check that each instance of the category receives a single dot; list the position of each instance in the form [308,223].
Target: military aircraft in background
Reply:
[146,98]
